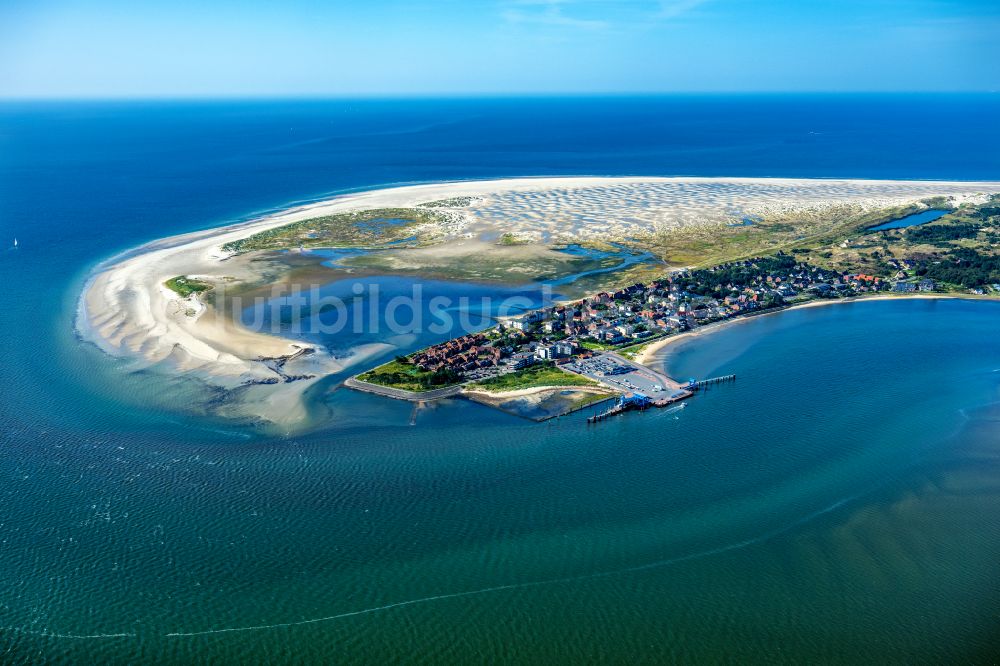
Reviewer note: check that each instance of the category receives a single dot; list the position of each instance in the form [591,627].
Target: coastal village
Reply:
[594,337]
[600,342]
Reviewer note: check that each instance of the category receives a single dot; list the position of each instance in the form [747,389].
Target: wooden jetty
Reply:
[617,408]
[591,405]
[713,380]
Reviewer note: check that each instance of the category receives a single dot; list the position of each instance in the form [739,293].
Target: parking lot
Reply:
[621,375]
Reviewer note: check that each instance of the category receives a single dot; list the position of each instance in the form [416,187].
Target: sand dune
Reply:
[127,311]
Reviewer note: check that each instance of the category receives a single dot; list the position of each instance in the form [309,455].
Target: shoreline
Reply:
[126,310]
[650,354]
[536,397]
[519,393]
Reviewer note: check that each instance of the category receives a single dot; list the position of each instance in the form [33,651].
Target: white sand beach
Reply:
[655,353]
[127,311]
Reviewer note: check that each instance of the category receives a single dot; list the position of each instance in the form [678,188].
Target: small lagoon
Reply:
[914,220]
[408,312]
[615,260]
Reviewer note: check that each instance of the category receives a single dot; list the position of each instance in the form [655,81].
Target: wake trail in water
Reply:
[524,585]
[467,593]
[50,634]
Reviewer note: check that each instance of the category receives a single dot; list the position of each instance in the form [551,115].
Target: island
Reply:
[634,264]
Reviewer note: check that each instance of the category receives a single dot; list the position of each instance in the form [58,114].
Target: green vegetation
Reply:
[594,345]
[510,239]
[540,374]
[959,250]
[454,202]
[833,238]
[715,282]
[479,262]
[378,227]
[808,232]
[401,374]
[184,286]
[631,351]
[939,234]
[963,266]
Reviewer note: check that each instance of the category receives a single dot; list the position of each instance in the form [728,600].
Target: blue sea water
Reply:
[837,504]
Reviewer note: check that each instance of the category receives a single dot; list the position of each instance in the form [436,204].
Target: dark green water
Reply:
[839,502]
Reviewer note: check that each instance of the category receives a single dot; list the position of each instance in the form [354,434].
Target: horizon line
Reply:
[474,95]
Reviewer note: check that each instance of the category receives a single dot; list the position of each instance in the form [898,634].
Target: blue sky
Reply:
[159,48]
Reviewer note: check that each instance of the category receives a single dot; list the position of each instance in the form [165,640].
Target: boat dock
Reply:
[641,387]
[639,402]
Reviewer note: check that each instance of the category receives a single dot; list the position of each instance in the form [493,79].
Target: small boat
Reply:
[15,242]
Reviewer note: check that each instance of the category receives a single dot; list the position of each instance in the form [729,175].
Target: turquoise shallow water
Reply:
[838,503]
[823,506]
